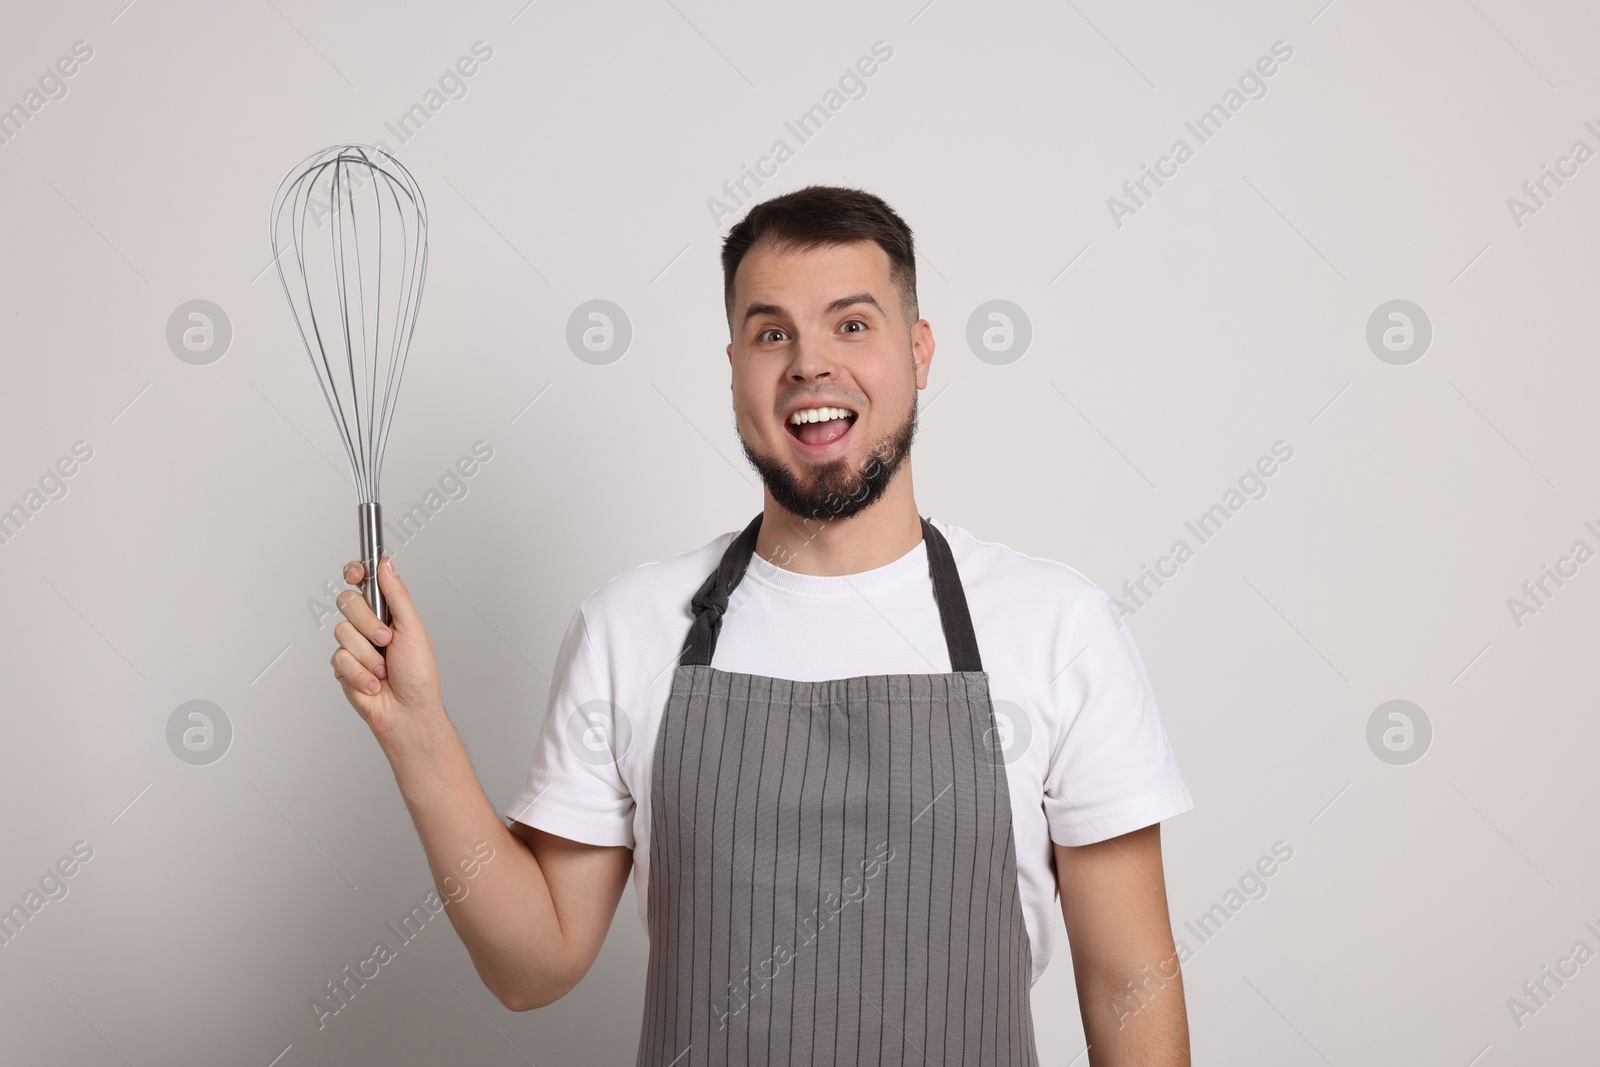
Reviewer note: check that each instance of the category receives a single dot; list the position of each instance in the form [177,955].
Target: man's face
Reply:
[823,329]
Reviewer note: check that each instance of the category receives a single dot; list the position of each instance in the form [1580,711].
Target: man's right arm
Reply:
[534,915]
[532,908]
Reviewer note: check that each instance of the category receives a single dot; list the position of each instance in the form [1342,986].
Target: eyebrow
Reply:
[837,305]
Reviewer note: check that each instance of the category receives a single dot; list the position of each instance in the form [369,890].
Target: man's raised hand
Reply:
[399,688]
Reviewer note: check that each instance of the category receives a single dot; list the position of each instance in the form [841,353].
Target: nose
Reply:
[810,362]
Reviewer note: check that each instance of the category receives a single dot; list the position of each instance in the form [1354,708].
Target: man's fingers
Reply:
[352,675]
[354,572]
[398,597]
[355,608]
[351,640]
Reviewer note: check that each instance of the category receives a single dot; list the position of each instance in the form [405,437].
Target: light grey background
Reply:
[1167,354]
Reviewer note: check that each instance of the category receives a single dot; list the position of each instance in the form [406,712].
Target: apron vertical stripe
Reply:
[833,873]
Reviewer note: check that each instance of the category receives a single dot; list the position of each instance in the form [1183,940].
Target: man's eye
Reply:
[856,322]
[761,338]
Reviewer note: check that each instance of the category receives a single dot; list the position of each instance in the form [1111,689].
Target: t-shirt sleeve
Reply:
[1111,769]
[574,787]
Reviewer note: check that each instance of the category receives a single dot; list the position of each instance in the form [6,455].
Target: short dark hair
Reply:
[824,215]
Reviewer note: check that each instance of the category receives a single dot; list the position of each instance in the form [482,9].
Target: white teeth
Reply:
[819,415]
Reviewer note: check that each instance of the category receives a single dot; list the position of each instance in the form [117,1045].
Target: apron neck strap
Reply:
[710,602]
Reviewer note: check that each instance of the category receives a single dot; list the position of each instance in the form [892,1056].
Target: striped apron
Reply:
[833,878]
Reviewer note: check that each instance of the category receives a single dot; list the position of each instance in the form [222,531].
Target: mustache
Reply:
[822,400]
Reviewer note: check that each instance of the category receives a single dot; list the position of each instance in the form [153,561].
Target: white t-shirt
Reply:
[1086,755]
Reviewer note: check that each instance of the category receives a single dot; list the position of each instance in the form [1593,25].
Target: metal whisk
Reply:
[353,227]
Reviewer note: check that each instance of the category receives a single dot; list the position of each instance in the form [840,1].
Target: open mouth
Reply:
[820,427]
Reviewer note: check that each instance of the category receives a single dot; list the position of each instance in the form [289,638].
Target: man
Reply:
[851,755]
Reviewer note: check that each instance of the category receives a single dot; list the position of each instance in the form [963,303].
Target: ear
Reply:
[922,350]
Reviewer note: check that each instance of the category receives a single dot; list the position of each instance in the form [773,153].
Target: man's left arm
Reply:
[1130,985]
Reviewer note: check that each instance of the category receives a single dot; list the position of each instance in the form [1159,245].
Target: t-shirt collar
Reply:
[840,586]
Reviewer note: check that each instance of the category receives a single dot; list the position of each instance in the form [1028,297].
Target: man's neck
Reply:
[825,545]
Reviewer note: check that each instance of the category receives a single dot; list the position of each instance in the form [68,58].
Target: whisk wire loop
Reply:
[353,294]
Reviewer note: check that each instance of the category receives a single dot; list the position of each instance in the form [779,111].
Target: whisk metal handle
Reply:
[371,519]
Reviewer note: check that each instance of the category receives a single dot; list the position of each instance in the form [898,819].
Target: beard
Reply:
[837,489]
